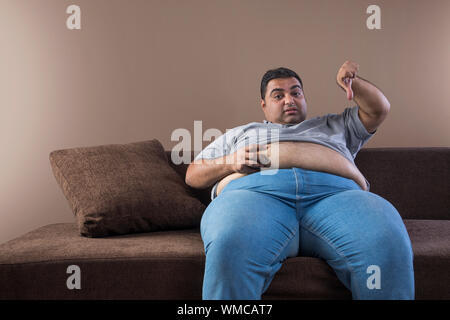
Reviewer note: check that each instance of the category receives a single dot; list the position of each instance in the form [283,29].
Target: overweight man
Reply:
[289,186]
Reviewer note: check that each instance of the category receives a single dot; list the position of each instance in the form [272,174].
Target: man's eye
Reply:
[278,97]
[298,94]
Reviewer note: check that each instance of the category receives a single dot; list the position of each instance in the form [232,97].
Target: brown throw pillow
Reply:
[124,188]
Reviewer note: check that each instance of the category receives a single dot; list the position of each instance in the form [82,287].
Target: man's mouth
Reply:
[291,111]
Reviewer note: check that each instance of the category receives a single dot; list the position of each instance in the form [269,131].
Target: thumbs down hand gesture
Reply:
[345,76]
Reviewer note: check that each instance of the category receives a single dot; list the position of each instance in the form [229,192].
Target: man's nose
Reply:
[289,100]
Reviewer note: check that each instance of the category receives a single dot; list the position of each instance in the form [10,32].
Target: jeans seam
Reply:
[281,250]
[317,234]
[296,194]
[296,184]
[293,236]
[284,246]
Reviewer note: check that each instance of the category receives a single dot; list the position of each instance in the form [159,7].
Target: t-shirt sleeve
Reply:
[220,147]
[356,134]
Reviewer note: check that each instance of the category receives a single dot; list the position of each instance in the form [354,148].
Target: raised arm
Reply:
[373,105]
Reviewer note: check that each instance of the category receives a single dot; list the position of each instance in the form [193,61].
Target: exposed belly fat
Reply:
[309,156]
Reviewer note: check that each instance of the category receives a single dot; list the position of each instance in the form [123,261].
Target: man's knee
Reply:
[229,253]
[384,245]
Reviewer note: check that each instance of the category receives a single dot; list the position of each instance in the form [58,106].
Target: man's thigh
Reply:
[353,230]
[253,224]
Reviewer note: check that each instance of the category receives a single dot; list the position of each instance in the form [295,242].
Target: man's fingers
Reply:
[349,74]
[259,157]
[248,169]
[253,164]
[251,148]
[346,75]
[264,160]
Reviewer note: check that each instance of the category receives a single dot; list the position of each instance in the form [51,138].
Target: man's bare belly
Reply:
[310,156]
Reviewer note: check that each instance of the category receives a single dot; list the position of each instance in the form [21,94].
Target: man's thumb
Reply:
[348,88]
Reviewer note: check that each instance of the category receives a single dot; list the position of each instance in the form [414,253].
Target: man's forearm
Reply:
[369,98]
[203,173]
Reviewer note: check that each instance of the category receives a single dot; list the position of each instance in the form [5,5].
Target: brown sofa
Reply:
[169,264]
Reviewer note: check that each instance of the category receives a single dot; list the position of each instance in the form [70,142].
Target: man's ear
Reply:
[263,104]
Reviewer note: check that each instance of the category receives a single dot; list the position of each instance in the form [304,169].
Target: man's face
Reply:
[284,102]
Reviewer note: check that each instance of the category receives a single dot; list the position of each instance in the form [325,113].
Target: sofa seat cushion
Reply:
[169,265]
[154,265]
[431,246]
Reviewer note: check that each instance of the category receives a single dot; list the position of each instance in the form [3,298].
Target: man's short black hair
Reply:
[275,74]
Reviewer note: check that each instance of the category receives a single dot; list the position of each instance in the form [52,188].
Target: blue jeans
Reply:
[260,220]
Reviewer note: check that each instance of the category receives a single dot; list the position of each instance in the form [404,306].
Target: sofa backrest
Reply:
[415,180]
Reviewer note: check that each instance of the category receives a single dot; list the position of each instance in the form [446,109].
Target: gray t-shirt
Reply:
[342,132]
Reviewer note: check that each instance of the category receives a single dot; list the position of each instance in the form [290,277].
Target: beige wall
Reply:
[138,70]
